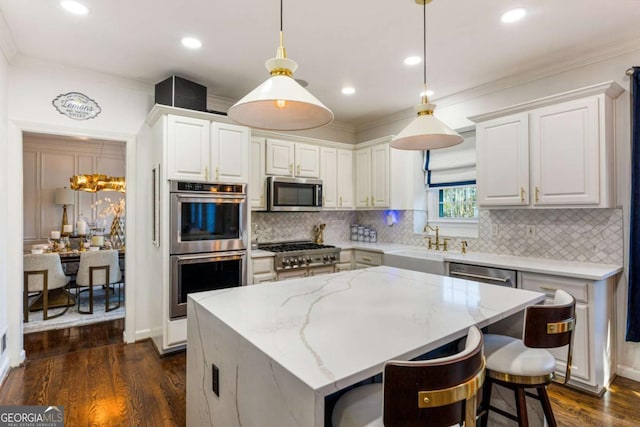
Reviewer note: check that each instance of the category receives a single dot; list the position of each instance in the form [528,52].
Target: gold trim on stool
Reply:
[447,396]
[561,327]
[521,379]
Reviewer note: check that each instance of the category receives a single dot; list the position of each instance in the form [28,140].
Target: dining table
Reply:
[275,353]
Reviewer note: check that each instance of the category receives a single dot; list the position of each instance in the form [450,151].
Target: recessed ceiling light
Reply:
[348,90]
[513,15]
[429,93]
[74,7]
[412,60]
[191,43]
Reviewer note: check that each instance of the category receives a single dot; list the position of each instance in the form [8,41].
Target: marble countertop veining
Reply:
[337,327]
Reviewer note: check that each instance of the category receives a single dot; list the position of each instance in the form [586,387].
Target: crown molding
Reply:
[7,44]
[546,70]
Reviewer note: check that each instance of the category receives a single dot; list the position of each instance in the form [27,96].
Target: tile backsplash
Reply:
[588,235]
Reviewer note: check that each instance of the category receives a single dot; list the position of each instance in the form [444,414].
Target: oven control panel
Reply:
[303,260]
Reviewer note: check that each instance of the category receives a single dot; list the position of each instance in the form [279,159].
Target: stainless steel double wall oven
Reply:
[208,242]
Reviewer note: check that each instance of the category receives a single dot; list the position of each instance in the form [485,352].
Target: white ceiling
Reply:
[356,42]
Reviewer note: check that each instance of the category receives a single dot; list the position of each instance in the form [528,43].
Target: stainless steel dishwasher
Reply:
[480,273]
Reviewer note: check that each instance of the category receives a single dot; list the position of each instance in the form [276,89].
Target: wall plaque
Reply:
[77,106]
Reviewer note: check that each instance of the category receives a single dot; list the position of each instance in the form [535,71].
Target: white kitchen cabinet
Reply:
[346,260]
[287,158]
[372,177]
[593,366]
[188,147]
[344,179]
[503,161]
[329,176]
[322,270]
[263,270]
[257,182]
[293,274]
[229,160]
[364,259]
[199,150]
[554,152]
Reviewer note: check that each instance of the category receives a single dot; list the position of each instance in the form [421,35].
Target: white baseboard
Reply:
[143,334]
[628,372]
[4,367]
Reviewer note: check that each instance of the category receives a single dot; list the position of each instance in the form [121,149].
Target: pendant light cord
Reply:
[424,50]
[281,1]
[281,53]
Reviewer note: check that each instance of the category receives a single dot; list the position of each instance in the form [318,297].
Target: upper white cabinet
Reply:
[336,172]
[229,159]
[372,176]
[199,150]
[257,183]
[553,152]
[286,158]
[345,179]
[187,148]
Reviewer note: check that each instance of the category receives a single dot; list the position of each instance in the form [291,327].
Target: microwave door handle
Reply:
[319,195]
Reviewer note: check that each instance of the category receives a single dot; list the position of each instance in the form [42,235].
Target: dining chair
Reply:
[519,364]
[99,268]
[43,273]
[436,392]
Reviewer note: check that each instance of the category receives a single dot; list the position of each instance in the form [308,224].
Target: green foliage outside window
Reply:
[458,203]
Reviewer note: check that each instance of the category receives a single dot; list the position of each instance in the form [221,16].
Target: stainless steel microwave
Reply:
[294,194]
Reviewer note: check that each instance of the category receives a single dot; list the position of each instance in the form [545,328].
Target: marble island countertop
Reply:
[582,270]
[278,349]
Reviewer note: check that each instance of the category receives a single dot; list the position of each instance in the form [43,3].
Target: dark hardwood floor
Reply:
[103,382]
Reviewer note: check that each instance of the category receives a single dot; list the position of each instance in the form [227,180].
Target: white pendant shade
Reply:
[280,103]
[426,132]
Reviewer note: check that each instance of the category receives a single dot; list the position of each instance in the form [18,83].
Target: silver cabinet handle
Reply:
[478,276]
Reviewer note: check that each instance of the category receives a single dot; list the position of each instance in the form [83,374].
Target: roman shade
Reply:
[452,166]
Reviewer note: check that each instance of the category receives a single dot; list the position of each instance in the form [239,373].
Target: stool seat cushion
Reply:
[510,356]
[360,407]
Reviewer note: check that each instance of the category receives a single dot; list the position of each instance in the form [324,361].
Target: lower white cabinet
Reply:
[262,270]
[364,259]
[346,260]
[593,366]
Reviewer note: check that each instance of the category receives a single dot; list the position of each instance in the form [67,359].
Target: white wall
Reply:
[4,210]
[33,85]
[455,110]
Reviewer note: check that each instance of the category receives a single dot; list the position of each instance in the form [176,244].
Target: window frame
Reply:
[458,227]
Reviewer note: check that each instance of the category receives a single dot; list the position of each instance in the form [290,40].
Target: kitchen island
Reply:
[273,352]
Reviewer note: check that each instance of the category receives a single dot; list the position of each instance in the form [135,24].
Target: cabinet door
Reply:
[229,153]
[580,368]
[502,146]
[345,179]
[329,175]
[565,153]
[363,178]
[280,156]
[307,158]
[187,148]
[257,183]
[380,176]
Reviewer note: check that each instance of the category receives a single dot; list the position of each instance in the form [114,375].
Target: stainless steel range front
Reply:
[301,255]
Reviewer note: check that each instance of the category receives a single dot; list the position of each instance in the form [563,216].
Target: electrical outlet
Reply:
[495,231]
[215,379]
[531,231]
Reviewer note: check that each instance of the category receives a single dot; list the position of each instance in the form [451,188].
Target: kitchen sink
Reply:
[416,260]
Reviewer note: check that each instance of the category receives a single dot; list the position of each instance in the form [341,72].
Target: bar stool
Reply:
[43,273]
[520,364]
[436,392]
[99,268]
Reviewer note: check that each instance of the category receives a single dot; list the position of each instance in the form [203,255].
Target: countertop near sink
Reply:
[582,270]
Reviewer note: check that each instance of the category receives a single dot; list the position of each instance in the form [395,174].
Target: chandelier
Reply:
[93,183]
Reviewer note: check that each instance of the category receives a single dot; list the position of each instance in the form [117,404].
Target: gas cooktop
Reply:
[301,254]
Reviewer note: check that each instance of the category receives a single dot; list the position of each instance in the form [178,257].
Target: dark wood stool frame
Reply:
[560,323]
[45,295]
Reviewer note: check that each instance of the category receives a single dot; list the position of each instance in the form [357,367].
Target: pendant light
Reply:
[280,103]
[425,132]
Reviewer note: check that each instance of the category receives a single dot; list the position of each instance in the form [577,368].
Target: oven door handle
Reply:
[212,256]
[478,276]
[213,197]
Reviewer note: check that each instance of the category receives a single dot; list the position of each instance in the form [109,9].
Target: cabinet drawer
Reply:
[318,271]
[264,277]
[369,258]
[262,265]
[549,284]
